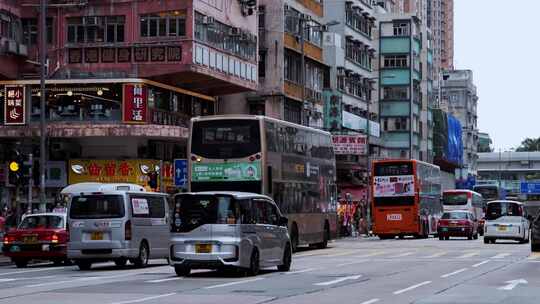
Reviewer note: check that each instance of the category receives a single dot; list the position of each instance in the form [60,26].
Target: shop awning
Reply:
[110,80]
[357,194]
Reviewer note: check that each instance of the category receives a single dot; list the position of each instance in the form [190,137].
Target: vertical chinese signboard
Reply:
[14,105]
[135,106]
[350,144]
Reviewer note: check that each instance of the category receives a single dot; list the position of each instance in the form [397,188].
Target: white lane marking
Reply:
[436,255]
[468,255]
[233,283]
[480,264]
[402,255]
[164,280]
[444,276]
[82,280]
[28,271]
[356,277]
[7,280]
[301,270]
[500,256]
[371,301]
[146,299]
[339,254]
[411,287]
[351,263]
[512,284]
[371,254]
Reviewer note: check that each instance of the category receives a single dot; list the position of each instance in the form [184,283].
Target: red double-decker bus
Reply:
[406,198]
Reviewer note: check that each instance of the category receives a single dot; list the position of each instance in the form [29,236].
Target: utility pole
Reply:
[30,181]
[43,122]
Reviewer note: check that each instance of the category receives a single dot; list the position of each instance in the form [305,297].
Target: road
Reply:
[359,271]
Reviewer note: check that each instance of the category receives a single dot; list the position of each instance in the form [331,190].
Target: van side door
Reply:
[149,218]
[263,229]
[159,219]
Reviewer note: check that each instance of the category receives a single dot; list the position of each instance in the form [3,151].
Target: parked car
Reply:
[458,223]
[219,230]
[506,220]
[40,236]
[117,222]
[535,232]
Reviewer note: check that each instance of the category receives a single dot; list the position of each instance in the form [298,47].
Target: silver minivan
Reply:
[118,222]
[219,230]
[506,220]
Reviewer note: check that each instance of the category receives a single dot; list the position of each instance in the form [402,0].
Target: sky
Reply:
[499,42]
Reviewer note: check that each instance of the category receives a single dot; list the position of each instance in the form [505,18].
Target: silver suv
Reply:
[216,230]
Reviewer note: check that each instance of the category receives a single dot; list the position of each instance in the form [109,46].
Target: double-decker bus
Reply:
[406,198]
[293,164]
[490,192]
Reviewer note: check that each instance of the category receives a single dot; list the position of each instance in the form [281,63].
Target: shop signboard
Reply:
[135,105]
[117,171]
[56,174]
[219,172]
[14,105]
[180,172]
[393,186]
[350,144]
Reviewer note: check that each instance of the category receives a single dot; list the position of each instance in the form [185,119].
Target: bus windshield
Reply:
[224,139]
[455,199]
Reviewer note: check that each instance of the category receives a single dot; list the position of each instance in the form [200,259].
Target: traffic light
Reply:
[153,180]
[15,166]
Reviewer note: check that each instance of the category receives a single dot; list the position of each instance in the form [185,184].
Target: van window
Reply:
[265,212]
[192,211]
[97,207]
[496,210]
[148,206]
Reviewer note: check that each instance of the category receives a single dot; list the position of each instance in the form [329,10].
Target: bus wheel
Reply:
[326,237]
[294,238]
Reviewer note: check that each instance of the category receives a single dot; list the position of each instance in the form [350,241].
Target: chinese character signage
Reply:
[117,171]
[393,186]
[135,103]
[350,144]
[219,172]
[14,106]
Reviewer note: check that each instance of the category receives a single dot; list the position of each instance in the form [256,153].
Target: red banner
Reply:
[14,105]
[135,107]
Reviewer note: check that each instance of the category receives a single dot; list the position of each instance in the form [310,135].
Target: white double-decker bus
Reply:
[293,164]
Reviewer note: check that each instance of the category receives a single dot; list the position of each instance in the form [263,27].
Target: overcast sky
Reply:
[498,40]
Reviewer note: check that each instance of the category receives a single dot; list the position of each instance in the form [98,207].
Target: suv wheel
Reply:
[84,265]
[142,259]
[254,263]
[21,263]
[182,271]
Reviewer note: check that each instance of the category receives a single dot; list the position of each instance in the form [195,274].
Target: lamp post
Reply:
[43,122]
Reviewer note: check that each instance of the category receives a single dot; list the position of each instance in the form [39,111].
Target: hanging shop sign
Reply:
[135,106]
[14,105]
[350,144]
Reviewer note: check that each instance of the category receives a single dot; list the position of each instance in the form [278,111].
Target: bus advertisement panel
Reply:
[406,198]
[293,164]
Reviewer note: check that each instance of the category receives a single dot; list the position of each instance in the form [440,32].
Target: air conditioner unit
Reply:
[324,28]
[286,7]
[91,20]
[234,31]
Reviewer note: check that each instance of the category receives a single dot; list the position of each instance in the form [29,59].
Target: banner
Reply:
[393,186]
[350,144]
[219,172]
[14,105]
[135,106]
[118,171]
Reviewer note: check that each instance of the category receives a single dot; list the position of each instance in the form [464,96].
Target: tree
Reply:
[529,145]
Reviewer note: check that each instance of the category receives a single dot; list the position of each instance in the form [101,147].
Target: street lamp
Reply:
[42,121]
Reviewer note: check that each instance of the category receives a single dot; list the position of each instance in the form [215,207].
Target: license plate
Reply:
[203,248]
[30,239]
[96,236]
[445,229]
[502,228]
[15,249]
[393,217]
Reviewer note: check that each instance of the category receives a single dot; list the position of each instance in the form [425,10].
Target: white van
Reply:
[117,222]
[506,220]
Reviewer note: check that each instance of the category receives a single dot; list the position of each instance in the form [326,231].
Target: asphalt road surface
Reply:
[359,271]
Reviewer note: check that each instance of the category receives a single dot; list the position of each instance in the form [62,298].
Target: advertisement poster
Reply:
[140,206]
[14,106]
[135,103]
[393,186]
[226,172]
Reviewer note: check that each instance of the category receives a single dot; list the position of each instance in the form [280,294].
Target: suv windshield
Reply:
[97,207]
[454,216]
[497,209]
[454,199]
[192,211]
[42,221]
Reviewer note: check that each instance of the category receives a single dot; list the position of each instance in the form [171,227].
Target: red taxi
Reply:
[38,237]
[457,223]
